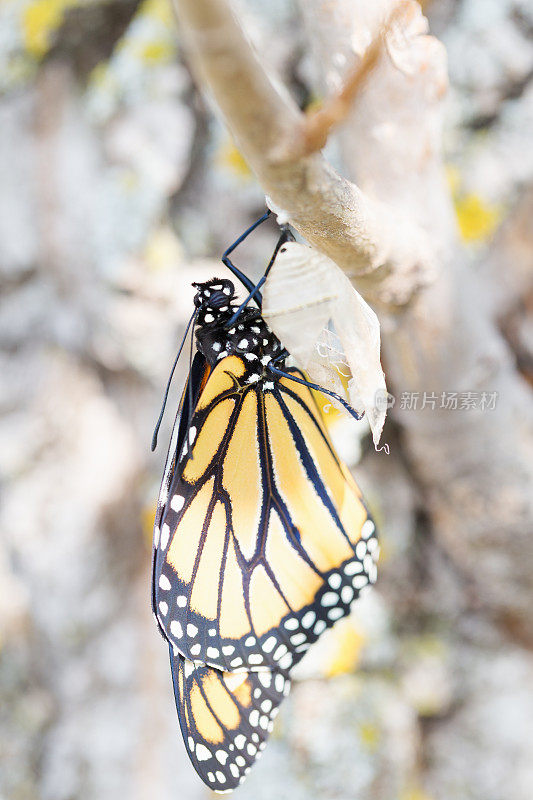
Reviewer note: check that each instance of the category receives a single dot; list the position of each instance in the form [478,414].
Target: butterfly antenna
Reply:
[189,388]
[165,398]
[315,386]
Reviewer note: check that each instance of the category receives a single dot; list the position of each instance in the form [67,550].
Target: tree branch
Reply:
[391,257]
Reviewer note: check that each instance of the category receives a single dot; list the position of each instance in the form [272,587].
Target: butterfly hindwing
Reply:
[264,538]
[225,717]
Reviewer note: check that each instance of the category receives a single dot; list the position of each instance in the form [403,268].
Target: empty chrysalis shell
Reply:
[327,327]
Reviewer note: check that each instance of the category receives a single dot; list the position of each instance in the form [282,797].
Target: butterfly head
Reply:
[214,299]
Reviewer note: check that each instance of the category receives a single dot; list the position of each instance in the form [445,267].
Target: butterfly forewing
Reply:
[264,538]
[194,385]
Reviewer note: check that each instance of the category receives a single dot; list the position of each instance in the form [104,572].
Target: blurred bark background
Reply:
[119,185]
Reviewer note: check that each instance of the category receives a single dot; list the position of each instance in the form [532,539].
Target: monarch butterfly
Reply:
[262,539]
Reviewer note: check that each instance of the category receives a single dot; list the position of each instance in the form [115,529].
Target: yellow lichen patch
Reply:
[370,736]
[414,793]
[40,19]
[157,52]
[158,9]
[163,250]
[158,45]
[149,43]
[346,649]
[453,178]
[99,76]
[477,219]
[230,158]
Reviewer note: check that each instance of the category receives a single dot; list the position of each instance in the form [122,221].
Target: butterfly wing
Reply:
[225,717]
[195,382]
[264,538]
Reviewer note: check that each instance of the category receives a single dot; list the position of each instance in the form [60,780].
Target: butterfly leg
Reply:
[286,236]
[225,255]
[315,386]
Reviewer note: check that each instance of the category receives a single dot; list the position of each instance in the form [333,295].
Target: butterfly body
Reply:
[248,336]
[262,539]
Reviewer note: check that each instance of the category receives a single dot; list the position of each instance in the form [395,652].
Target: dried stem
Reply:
[335,109]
